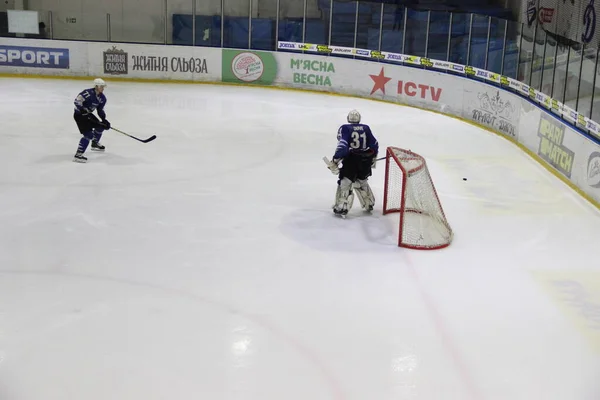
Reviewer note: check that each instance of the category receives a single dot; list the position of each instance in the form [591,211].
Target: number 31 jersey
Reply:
[355,138]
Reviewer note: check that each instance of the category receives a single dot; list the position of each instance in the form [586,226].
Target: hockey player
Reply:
[89,125]
[357,149]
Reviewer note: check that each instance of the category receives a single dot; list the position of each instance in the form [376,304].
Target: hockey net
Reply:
[409,190]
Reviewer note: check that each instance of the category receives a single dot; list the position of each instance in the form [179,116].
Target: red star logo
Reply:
[380,81]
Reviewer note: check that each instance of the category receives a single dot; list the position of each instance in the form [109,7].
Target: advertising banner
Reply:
[421,88]
[19,56]
[593,170]
[493,108]
[155,62]
[552,148]
[329,74]
[426,89]
[34,57]
[567,151]
[248,67]
[590,170]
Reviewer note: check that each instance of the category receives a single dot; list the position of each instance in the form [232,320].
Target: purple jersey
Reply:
[90,101]
[355,138]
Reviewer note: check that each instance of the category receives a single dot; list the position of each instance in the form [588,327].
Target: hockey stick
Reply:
[151,138]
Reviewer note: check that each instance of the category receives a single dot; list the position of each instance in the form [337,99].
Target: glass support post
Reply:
[380,27]
[449,37]
[469,43]
[504,47]
[427,33]
[278,7]
[487,43]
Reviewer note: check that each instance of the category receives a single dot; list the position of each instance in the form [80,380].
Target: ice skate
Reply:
[80,158]
[96,146]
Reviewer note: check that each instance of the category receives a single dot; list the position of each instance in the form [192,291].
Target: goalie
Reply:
[357,149]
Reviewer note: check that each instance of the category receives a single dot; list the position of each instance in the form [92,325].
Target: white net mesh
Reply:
[409,190]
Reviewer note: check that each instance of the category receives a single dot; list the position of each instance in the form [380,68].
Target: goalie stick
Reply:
[151,138]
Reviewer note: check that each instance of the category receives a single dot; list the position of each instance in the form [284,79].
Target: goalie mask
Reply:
[354,117]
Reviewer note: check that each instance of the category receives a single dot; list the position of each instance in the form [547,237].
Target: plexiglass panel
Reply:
[595,113]
[416,33]
[317,21]
[439,27]
[343,23]
[291,20]
[180,27]
[368,24]
[459,41]
[138,21]
[539,50]
[511,49]
[208,23]
[264,20]
[587,80]
[549,63]
[573,72]
[496,45]
[236,32]
[479,34]
[526,54]
[392,32]
[560,73]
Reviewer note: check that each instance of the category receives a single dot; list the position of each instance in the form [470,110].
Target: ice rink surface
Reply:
[208,264]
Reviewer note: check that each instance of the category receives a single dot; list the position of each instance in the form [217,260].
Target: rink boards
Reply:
[563,150]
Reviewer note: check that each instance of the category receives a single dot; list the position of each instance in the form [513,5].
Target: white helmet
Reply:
[354,117]
[99,82]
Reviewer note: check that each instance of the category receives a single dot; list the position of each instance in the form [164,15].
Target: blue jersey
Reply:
[355,138]
[91,101]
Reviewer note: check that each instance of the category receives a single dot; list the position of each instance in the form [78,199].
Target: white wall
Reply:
[7,5]
[131,20]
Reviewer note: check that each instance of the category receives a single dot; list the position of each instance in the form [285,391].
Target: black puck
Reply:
[464,179]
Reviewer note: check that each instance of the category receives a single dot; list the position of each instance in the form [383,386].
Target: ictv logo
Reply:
[406,88]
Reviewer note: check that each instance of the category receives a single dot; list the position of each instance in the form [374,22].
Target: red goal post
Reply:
[409,191]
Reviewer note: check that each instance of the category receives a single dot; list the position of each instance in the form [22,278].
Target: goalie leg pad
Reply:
[344,197]
[365,194]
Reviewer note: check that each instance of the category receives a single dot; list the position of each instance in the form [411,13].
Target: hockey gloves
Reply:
[96,122]
[333,166]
